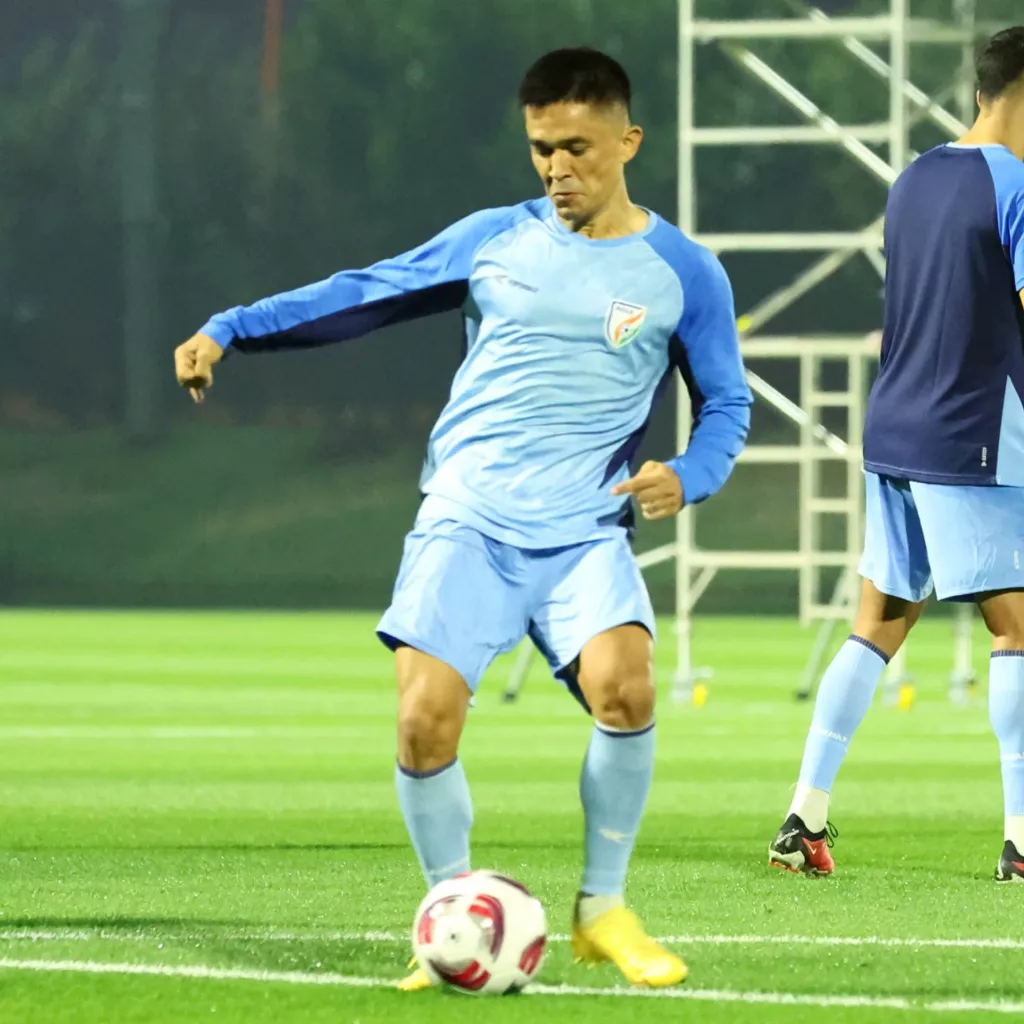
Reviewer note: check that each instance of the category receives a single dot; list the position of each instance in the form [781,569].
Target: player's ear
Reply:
[631,142]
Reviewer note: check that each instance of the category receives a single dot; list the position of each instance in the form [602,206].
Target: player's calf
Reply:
[429,779]
[616,679]
[1004,615]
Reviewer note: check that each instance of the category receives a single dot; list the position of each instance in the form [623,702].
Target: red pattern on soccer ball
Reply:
[472,978]
[489,911]
[425,925]
[531,957]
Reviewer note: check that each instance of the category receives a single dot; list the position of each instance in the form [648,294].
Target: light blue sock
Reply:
[438,813]
[1006,713]
[613,788]
[844,696]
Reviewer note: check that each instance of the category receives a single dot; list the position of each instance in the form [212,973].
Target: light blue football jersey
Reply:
[569,343]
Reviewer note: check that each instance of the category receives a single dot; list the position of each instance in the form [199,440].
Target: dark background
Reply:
[148,179]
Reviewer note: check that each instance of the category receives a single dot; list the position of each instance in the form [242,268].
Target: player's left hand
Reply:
[657,488]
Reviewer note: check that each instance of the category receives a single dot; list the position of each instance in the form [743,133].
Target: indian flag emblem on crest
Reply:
[623,322]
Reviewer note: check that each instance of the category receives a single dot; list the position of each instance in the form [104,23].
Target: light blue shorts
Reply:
[465,598]
[970,540]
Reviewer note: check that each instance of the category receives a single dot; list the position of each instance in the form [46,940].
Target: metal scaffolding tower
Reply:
[908,105]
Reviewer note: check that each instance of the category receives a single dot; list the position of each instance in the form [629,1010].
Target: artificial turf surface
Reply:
[209,796]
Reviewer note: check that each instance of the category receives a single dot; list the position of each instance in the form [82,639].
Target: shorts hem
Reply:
[614,623]
[393,640]
[964,592]
[902,591]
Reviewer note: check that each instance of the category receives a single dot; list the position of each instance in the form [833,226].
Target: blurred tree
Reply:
[397,117]
[59,235]
[141,30]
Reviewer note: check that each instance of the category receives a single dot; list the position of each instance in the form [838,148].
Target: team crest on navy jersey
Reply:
[623,322]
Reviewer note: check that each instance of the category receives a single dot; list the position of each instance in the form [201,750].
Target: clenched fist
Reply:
[657,488]
[193,364]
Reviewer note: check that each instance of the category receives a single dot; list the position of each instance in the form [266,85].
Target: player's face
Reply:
[579,151]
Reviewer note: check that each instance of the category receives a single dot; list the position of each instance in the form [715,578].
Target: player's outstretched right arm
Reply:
[429,279]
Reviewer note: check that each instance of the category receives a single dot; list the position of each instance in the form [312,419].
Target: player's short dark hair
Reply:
[576,74]
[1000,63]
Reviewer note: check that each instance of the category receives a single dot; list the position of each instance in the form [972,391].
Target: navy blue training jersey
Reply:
[946,407]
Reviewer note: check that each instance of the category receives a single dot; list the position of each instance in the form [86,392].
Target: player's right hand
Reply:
[193,364]
[657,489]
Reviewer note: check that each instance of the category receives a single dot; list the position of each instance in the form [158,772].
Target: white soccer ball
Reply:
[481,933]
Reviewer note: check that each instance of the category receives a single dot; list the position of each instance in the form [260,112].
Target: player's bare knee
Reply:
[617,677]
[432,703]
[1004,616]
[624,700]
[1010,638]
[428,728]
[883,620]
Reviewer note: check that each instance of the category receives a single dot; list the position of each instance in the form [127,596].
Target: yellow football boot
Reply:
[618,936]
[417,981]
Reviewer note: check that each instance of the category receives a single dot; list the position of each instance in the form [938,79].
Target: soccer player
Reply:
[943,447]
[577,307]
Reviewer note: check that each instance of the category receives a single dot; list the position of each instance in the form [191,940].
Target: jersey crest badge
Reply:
[623,323]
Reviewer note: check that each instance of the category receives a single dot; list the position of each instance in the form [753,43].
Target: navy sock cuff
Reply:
[870,646]
[1007,654]
[413,774]
[616,734]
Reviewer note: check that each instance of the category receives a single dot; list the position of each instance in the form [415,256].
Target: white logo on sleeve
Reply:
[623,322]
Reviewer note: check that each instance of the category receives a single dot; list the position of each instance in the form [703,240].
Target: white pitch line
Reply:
[352,981]
[152,935]
[841,940]
[328,667]
[192,971]
[171,732]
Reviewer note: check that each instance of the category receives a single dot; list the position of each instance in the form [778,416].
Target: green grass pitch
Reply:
[198,823]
